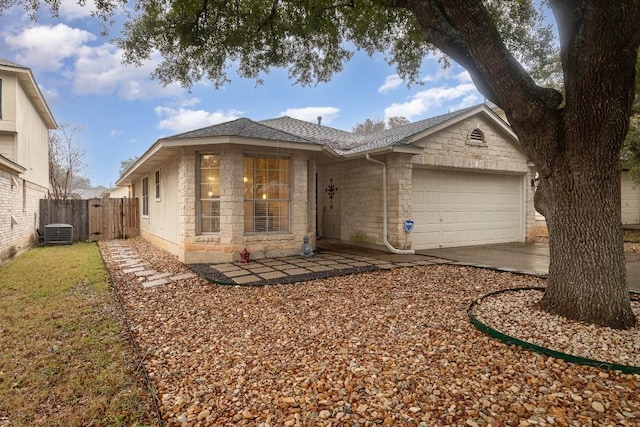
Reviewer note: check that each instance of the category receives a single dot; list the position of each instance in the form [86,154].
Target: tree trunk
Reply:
[587,271]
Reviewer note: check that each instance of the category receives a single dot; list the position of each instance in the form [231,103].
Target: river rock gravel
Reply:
[378,348]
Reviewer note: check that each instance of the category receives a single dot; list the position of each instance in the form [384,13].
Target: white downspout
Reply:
[384,210]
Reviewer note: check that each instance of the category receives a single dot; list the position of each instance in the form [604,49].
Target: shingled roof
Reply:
[246,128]
[347,143]
[7,63]
[342,142]
[402,134]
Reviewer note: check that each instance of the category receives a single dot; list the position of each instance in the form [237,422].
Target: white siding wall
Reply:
[33,141]
[162,221]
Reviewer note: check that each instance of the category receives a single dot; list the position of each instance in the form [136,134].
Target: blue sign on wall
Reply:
[408,225]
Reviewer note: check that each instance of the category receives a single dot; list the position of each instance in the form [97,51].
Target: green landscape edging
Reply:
[507,339]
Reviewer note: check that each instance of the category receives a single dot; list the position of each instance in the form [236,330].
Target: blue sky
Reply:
[123,111]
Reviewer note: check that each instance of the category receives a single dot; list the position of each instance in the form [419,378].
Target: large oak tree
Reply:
[573,132]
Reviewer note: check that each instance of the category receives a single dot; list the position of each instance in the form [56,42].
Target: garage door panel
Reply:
[630,192]
[460,209]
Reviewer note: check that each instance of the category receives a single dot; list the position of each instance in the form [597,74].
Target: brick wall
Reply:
[18,214]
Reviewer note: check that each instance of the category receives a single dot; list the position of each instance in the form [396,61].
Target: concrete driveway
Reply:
[529,258]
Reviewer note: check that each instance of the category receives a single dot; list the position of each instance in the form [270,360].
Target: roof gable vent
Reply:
[476,137]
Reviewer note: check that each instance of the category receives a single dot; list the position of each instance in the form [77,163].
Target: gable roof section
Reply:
[246,128]
[28,82]
[407,134]
[336,139]
[301,133]
[239,131]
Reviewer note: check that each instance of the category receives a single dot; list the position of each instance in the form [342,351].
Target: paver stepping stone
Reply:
[183,276]
[236,273]
[246,279]
[159,276]
[131,261]
[145,273]
[272,275]
[296,271]
[133,269]
[142,264]
[319,268]
[153,283]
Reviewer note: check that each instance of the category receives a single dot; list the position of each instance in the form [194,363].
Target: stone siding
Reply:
[451,148]
[225,246]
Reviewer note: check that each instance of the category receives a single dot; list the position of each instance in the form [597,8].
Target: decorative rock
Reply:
[325,414]
[597,406]
[203,414]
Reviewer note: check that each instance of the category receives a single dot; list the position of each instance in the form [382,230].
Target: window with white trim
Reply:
[157,184]
[145,196]
[266,194]
[209,194]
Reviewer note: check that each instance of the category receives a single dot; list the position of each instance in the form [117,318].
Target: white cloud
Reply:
[46,47]
[99,70]
[51,95]
[468,101]
[311,114]
[70,9]
[426,100]
[391,82]
[183,119]
[464,77]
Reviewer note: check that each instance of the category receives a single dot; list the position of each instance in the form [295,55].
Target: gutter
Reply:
[384,210]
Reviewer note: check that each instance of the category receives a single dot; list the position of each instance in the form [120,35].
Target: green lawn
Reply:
[64,358]
[632,236]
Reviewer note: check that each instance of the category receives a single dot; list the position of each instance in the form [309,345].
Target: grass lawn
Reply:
[632,236]
[64,358]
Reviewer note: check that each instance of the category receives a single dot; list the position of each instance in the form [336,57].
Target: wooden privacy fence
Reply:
[93,219]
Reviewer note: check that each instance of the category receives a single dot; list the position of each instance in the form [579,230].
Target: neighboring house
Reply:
[117,193]
[630,196]
[25,120]
[207,194]
[89,193]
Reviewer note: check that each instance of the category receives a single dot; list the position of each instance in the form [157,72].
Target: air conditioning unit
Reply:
[58,234]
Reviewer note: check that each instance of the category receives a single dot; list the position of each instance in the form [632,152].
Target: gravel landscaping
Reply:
[376,348]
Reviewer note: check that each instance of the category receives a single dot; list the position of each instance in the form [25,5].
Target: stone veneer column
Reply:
[232,199]
[399,202]
[187,199]
[299,197]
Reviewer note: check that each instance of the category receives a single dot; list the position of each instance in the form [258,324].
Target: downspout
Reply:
[384,210]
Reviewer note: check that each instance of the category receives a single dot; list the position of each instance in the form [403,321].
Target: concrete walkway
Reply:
[528,258]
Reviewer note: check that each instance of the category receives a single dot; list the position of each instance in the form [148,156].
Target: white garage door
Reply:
[630,192]
[462,209]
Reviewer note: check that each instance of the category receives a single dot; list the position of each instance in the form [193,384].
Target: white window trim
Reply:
[156,184]
[200,199]
[145,215]
[289,200]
